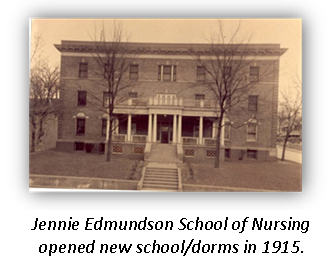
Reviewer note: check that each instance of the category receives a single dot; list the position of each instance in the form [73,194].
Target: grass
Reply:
[83,165]
[263,175]
[295,146]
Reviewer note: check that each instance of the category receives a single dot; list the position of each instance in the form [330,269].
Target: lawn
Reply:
[262,175]
[295,146]
[83,165]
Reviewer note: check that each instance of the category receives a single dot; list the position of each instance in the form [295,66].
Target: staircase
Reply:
[161,172]
[165,153]
[162,177]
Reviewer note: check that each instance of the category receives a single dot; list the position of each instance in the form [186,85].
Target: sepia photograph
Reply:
[166,105]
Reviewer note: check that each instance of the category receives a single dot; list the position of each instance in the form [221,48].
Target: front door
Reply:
[164,133]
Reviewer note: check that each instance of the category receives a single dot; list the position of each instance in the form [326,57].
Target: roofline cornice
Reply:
[174,48]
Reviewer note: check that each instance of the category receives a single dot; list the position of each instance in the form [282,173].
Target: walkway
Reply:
[161,172]
[290,154]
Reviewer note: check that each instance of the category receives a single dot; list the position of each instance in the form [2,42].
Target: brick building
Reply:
[167,104]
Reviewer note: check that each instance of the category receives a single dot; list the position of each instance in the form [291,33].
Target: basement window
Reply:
[102,148]
[227,153]
[252,154]
[79,146]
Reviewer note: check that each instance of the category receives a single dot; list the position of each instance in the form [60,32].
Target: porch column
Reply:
[154,127]
[213,134]
[107,129]
[174,130]
[200,130]
[222,133]
[149,127]
[113,126]
[116,125]
[129,128]
[179,133]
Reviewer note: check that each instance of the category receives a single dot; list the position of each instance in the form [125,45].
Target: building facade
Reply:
[166,103]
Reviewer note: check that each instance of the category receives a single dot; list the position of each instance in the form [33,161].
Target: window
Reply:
[104,127]
[227,127]
[199,96]
[102,148]
[79,146]
[80,126]
[81,98]
[227,153]
[133,95]
[106,99]
[167,73]
[227,70]
[106,70]
[199,100]
[252,103]
[134,72]
[252,154]
[82,70]
[200,74]
[254,74]
[252,130]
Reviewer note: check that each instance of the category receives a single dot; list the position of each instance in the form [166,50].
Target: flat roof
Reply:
[173,48]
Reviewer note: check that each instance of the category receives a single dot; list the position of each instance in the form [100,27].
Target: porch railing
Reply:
[160,101]
[119,138]
[190,140]
[208,141]
[139,138]
[165,101]
[199,103]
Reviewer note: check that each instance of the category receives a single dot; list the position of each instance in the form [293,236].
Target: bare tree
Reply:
[290,109]
[224,68]
[36,49]
[112,63]
[44,87]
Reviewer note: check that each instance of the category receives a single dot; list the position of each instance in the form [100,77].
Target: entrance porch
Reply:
[165,128]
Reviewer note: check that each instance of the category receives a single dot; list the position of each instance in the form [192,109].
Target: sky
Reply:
[286,32]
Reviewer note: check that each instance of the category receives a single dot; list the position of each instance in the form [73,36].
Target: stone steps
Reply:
[157,178]
[161,173]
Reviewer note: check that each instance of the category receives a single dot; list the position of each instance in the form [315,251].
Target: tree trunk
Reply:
[284,148]
[40,128]
[33,139]
[218,140]
[108,149]
[40,131]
